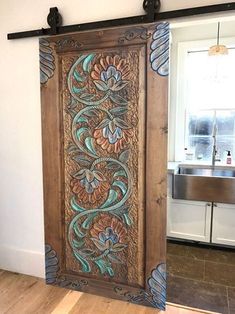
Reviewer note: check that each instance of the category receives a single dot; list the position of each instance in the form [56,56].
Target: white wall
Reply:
[21,199]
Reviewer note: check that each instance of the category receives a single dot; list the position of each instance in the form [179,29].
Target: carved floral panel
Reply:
[104,127]
[102,121]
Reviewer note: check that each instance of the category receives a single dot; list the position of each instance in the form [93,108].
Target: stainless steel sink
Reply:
[207,172]
[205,183]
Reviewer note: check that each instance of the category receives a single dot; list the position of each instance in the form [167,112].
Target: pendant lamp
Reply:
[218,49]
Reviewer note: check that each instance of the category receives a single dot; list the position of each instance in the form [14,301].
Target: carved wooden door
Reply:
[104,122]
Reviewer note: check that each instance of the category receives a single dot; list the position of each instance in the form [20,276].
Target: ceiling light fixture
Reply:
[218,49]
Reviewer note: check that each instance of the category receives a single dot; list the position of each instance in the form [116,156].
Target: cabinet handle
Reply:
[208,204]
[215,205]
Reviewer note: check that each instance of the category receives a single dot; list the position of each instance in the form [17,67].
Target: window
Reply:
[199,132]
[206,92]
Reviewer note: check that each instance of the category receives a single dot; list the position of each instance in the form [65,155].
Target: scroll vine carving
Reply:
[102,134]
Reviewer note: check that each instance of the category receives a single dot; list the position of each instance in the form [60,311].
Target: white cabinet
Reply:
[189,220]
[193,220]
[223,230]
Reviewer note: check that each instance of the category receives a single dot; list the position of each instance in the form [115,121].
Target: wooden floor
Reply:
[21,294]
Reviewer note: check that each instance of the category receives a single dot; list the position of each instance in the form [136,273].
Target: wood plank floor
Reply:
[21,294]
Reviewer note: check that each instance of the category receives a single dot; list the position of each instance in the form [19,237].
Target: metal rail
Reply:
[151,7]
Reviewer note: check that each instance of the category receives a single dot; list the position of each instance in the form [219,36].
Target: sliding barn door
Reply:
[104,122]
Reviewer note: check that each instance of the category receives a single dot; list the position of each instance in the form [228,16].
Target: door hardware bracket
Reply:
[151,7]
[54,20]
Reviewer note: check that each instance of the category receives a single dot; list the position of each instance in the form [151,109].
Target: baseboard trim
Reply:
[22,261]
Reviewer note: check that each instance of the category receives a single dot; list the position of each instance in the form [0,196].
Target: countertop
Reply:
[173,165]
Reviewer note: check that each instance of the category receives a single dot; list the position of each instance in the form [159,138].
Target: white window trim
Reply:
[181,90]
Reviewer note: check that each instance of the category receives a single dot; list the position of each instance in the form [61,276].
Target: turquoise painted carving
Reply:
[47,65]
[159,56]
[52,266]
[103,183]
[155,295]
[52,272]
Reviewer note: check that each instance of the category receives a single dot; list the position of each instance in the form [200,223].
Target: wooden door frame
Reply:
[155,39]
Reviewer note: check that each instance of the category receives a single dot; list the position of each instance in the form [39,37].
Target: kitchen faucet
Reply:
[214,152]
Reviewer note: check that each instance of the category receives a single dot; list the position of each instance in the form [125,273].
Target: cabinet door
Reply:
[223,231]
[188,220]
[104,120]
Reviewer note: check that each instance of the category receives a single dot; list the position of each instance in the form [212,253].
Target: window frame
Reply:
[180,116]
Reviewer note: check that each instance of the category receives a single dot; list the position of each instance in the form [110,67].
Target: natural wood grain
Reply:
[21,294]
[14,285]
[156,167]
[70,299]
[38,299]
